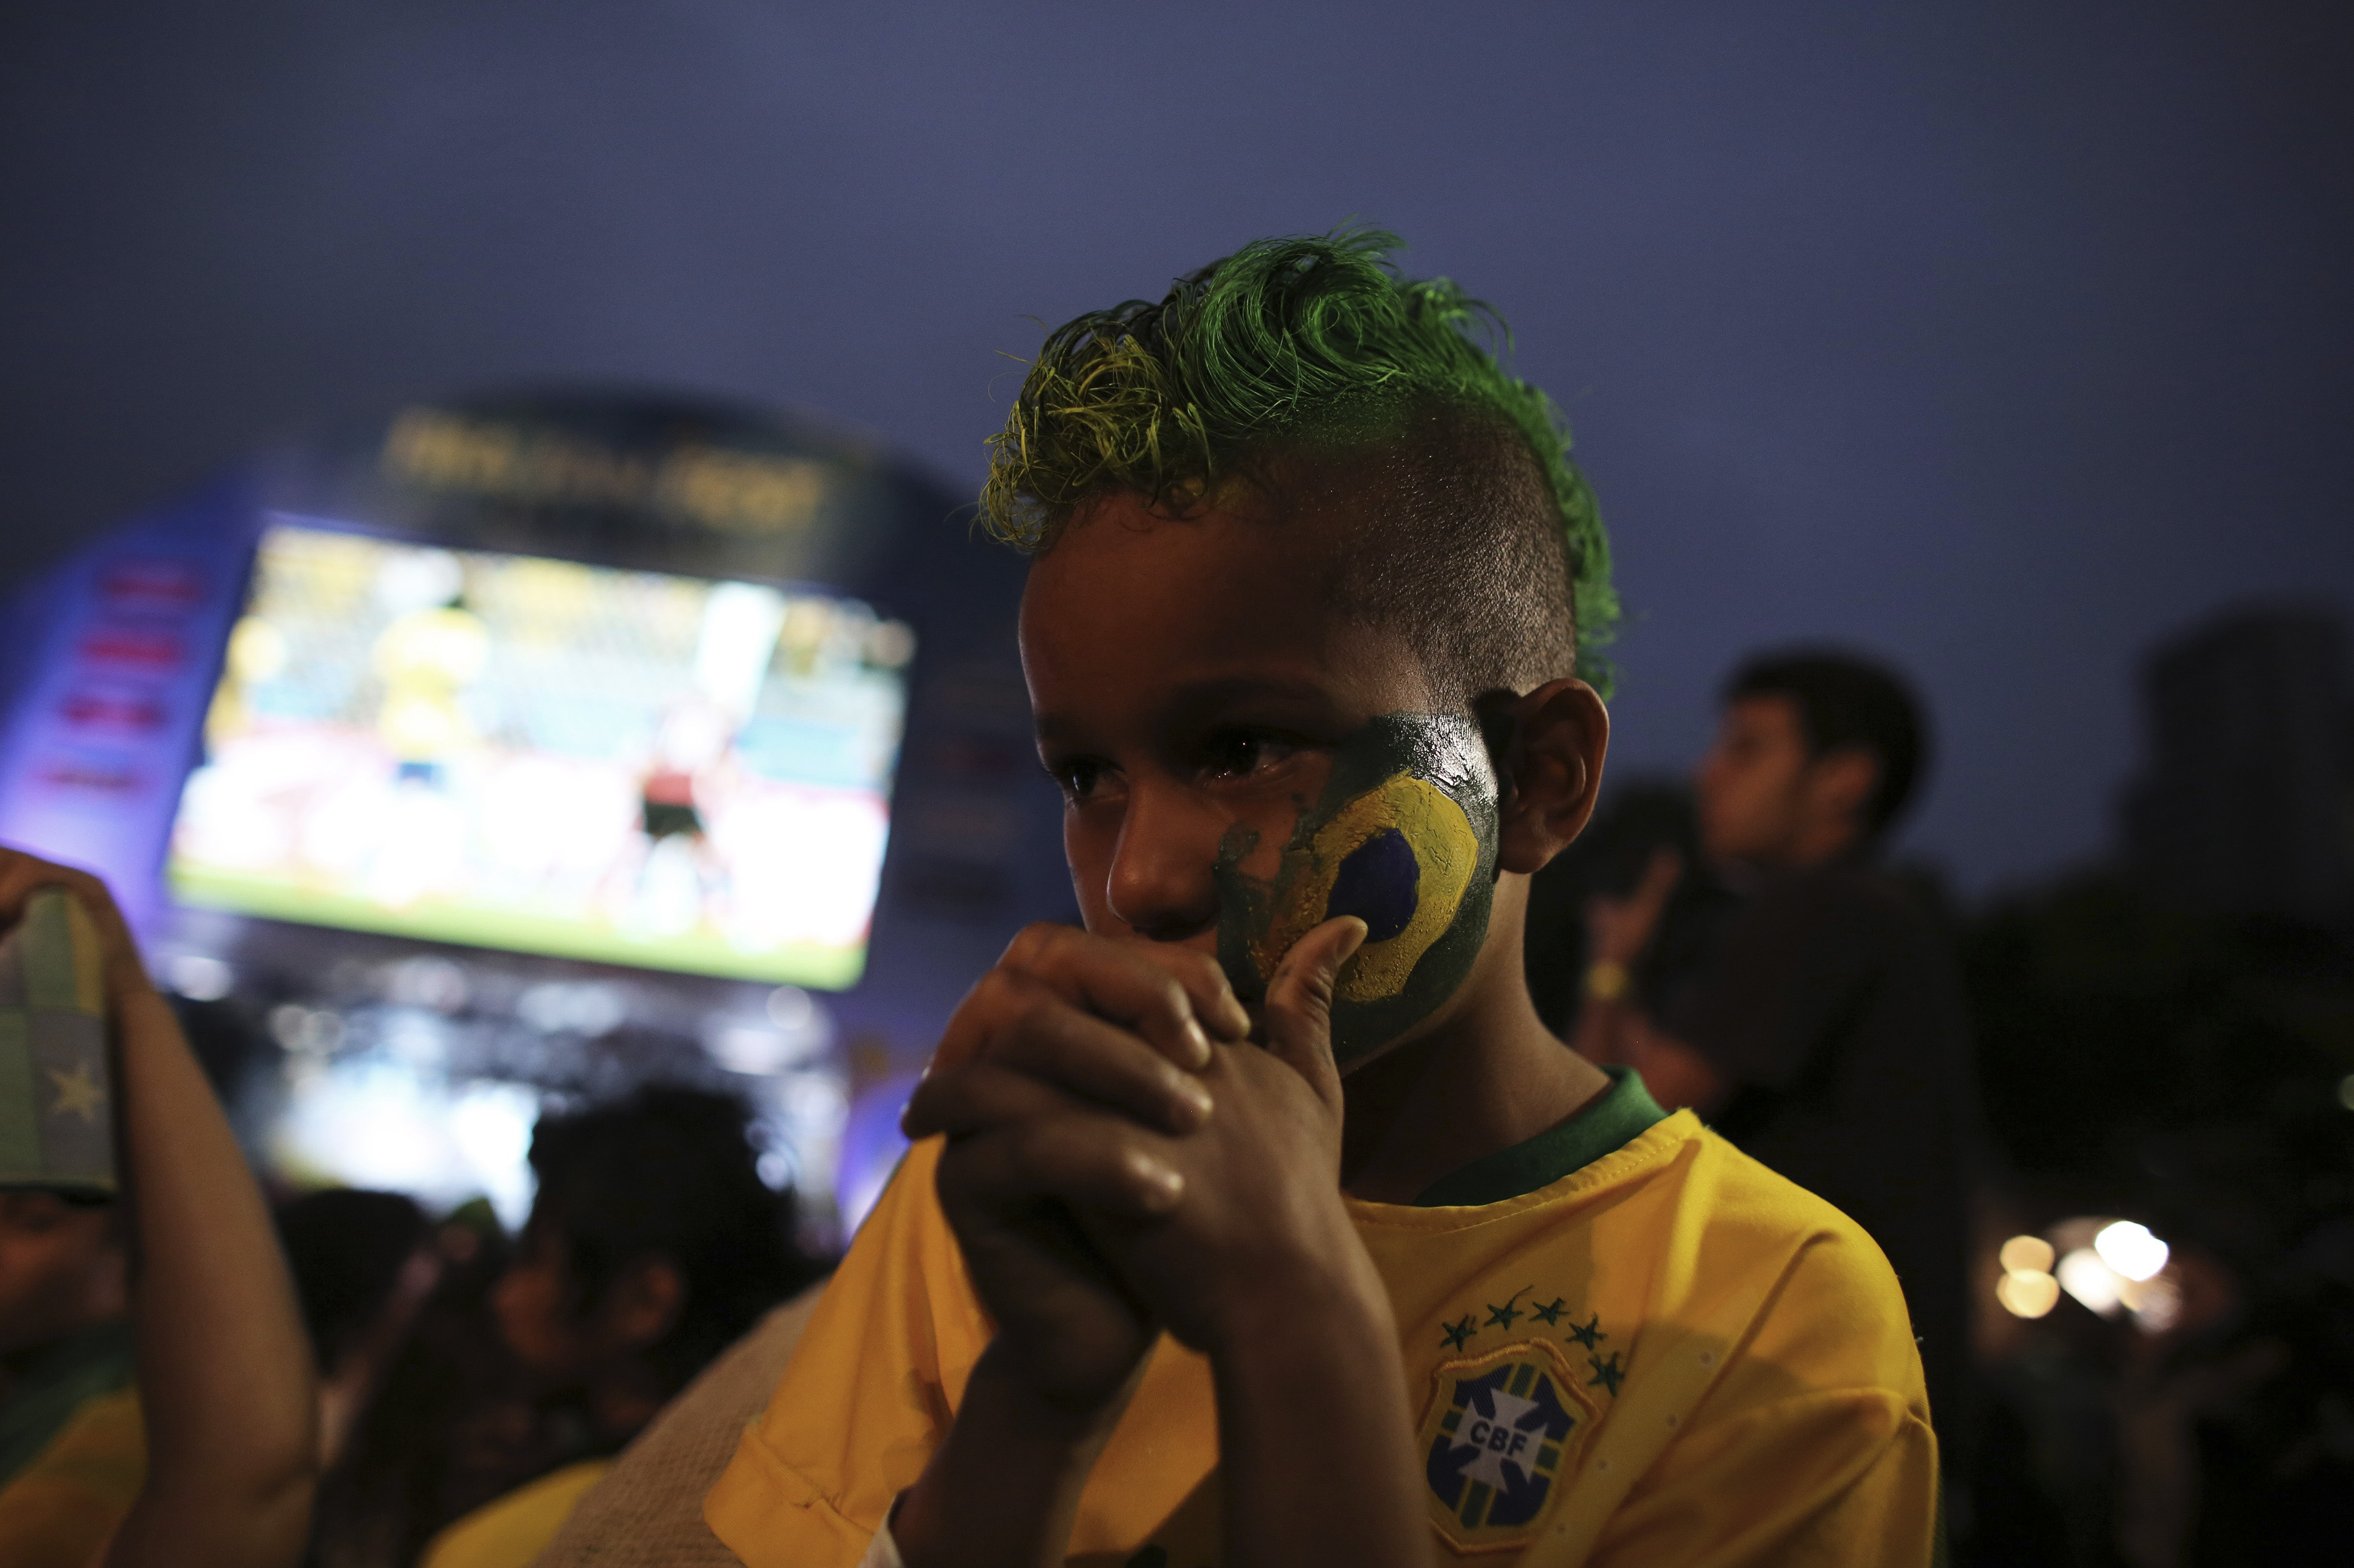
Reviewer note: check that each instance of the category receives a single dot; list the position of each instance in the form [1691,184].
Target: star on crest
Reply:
[1608,1375]
[1502,1317]
[1457,1335]
[1549,1316]
[1588,1333]
[79,1094]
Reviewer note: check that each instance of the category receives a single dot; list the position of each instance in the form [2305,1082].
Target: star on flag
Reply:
[79,1094]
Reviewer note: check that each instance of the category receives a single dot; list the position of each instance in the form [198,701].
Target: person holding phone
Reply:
[204,1453]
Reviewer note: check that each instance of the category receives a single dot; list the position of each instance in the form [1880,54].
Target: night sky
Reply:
[2001,338]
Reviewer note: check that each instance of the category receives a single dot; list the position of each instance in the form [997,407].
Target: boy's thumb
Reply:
[1299,1000]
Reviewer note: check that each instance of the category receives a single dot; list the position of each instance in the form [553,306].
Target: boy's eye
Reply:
[1239,753]
[1080,777]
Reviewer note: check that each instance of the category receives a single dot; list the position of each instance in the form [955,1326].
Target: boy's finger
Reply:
[1088,1061]
[1220,1011]
[959,1101]
[1300,1002]
[1017,1021]
[1083,1055]
[998,1000]
[1169,995]
[1089,1161]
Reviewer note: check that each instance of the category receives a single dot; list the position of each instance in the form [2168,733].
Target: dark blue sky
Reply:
[2000,338]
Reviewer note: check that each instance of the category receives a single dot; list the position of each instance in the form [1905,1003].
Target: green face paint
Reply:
[1405,839]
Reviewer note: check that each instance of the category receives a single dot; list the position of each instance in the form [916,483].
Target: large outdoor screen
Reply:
[541,755]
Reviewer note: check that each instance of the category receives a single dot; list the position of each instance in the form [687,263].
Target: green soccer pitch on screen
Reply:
[506,751]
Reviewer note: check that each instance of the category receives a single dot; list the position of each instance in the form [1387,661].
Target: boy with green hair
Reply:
[1261,1222]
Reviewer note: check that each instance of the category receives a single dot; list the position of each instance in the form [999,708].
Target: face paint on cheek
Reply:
[1405,839]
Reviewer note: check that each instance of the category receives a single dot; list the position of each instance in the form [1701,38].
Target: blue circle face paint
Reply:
[1405,839]
[1377,884]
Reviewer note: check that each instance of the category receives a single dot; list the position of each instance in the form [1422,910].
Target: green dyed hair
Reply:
[1312,342]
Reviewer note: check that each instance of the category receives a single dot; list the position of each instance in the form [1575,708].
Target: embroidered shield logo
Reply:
[1498,1432]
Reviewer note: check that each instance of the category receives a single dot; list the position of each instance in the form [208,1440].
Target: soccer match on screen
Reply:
[514,752]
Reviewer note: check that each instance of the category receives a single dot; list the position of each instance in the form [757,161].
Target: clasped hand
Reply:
[1126,1154]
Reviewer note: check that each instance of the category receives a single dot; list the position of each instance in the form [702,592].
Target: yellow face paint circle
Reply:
[1413,853]
[1404,838]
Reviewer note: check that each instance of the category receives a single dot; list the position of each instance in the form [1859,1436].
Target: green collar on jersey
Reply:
[1620,1114]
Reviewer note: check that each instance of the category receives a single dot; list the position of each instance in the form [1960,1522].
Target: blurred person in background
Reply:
[652,1245]
[65,1362]
[1825,1029]
[1638,821]
[204,1453]
[453,1422]
[362,1263]
[647,1511]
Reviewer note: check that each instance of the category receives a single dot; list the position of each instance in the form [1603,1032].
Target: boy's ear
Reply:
[1552,772]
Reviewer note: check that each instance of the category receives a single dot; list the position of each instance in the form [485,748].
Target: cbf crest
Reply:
[1498,1434]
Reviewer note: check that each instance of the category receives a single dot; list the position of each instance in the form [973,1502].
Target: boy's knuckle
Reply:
[1175,1000]
[1009,996]
[1201,967]
[1040,949]
[1035,1148]
[1034,1019]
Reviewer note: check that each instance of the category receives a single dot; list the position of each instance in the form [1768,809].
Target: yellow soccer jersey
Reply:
[1669,1355]
[511,1532]
[61,1508]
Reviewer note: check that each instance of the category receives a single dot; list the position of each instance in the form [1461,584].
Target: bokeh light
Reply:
[2027,1292]
[2130,1249]
[2030,1254]
[2085,1275]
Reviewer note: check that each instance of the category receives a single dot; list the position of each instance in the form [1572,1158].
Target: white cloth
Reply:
[882,1551]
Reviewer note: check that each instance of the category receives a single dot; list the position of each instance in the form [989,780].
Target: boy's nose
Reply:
[1160,884]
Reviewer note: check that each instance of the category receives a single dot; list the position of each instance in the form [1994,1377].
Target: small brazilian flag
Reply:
[57,1119]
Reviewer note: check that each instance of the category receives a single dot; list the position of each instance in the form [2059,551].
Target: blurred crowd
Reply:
[470,1387]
